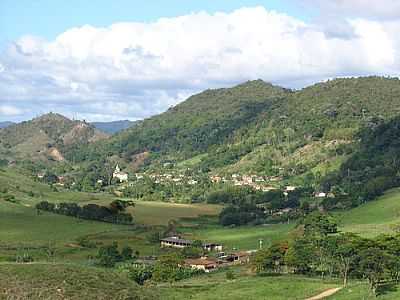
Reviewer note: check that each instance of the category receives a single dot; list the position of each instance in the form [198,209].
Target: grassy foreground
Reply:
[244,286]
[57,281]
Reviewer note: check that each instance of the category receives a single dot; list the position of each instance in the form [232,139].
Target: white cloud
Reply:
[9,110]
[374,9]
[134,70]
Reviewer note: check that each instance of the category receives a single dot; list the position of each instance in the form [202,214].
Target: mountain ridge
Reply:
[47,137]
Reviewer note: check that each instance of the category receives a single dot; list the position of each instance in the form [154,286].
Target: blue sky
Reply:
[103,60]
[48,18]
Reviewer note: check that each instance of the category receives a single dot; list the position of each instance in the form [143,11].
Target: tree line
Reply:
[114,213]
[319,249]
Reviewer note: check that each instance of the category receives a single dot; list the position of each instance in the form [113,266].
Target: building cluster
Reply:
[208,263]
[257,182]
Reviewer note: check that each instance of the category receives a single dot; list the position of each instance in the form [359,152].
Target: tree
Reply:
[108,255]
[167,267]
[319,225]
[139,274]
[345,248]
[300,255]
[271,259]
[126,253]
[373,264]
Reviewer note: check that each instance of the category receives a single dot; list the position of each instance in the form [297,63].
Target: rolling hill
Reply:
[46,138]
[260,128]
[5,124]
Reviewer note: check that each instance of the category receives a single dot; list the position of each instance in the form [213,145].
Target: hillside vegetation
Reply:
[46,138]
[259,127]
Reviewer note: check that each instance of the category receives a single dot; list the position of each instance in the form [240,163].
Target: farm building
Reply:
[177,242]
[204,263]
[240,257]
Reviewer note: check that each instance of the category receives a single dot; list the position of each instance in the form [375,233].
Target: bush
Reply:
[230,275]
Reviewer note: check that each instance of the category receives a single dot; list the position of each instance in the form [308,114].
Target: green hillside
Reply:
[46,138]
[259,127]
[59,281]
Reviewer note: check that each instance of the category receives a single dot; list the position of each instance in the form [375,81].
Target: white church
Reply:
[122,176]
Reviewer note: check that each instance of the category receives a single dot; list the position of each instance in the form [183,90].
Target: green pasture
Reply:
[244,286]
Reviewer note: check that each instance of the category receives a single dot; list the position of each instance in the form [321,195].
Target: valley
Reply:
[299,188]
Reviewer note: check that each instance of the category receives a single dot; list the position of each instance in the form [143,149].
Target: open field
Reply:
[373,218]
[22,227]
[216,286]
[241,238]
[159,213]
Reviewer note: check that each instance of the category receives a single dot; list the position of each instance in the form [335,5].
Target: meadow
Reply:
[373,218]
[245,286]
[23,230]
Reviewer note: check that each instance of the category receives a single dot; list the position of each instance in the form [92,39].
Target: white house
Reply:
[121,176]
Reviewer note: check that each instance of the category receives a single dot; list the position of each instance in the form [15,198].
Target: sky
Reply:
[124,59]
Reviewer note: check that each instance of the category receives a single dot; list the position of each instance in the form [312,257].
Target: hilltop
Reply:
[258,127]
[46,138]
[5,124]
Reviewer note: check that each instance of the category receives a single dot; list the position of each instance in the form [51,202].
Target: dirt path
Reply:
[325,294]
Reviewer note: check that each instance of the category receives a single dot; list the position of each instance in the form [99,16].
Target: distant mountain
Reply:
[113,127]
[46,138]
[5,124]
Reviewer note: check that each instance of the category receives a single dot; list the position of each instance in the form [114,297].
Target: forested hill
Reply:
[46,138]
[202,122]
[257,127]
[372,169]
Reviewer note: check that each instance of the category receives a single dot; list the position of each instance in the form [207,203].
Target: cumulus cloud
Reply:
[9,110]
[378,9]
[134,70]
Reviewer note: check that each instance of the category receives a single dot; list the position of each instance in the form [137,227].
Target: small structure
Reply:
[290,188]
[320,195]
[216,179]
[121,176]
[204,263]
[240,257]
[177,242]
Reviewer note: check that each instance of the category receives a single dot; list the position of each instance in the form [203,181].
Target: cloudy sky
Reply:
[122,59]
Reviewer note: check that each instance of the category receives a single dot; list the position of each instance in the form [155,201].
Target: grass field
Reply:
[22,228]
[241,238]
[245,286]
[373,218]
[288,287]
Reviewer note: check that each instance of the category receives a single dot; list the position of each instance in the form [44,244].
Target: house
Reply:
[320,195]
[204,263]
[216,179]
[177,242]
[290,188]
[240,257]
[121,176]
